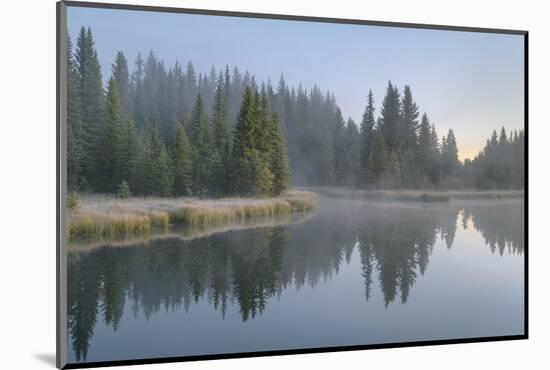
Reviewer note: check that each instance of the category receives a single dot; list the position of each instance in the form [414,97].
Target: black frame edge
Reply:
[61,105]
[223,356]
[58,363]
[288,17]
[526,185]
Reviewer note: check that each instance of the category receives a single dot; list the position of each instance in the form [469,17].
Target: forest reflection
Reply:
[248,267]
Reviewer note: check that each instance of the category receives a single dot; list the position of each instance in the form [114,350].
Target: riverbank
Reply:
[105,216]
[417,195]
[186,233]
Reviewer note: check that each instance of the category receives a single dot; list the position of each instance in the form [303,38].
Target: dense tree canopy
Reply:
[175,131]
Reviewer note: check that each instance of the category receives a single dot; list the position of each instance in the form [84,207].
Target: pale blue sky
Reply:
[471,82]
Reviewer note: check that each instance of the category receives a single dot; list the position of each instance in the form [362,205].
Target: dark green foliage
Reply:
[91,103]
[108,152]
[122,81]
[409,120]
[428,156]
[450,165]
[259,160]
[220,170]
[500,165]
[390,119]
[201,147]
[366,131]
[279,159]
[378,155]
[244,146]
[353,153]
[260,176]
[408,151]
[74,124]
[182,162]
[242,137]
[127,151]
[435,171]
[163,173]
[153,170]
[136,88]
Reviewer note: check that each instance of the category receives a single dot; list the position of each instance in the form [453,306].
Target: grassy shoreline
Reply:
[104,216]
[185,233]
[441,196]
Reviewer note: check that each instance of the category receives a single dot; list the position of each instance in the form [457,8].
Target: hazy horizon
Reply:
[470,82]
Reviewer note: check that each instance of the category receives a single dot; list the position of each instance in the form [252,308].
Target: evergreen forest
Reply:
[153,129]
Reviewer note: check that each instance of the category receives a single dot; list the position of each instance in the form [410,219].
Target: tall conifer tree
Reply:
[366,131]
[91,100]
[74,124]
[279,160]
[121,77]
[109,146]
[221,149]
[181,158]
[201,148]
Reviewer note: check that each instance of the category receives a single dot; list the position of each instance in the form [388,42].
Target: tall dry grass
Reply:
[104,216]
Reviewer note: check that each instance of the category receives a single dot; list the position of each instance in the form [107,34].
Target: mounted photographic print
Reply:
[236,184]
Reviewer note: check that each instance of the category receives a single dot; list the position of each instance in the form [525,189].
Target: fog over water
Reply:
[352,273]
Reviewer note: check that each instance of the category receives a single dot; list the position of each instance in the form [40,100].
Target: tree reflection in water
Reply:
[248,267]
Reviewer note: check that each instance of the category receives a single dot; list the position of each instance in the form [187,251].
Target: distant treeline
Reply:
[170,131]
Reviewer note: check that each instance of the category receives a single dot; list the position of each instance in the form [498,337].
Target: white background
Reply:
[27,181]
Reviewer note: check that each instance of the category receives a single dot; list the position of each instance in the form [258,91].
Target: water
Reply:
[349,274]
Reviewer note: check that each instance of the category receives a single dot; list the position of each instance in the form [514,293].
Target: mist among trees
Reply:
[170,131]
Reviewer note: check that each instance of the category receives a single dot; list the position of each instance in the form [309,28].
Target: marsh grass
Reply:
[185,232]
[108,224]
[103,216]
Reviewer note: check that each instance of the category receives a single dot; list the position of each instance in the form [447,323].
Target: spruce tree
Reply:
[157,171]
[137,99]
[244,145]
[424,154]
[261,178]
[91,100]
[121,77]
[191,86]
[450,164]
[378,157]
[182,162]
[339,148]
[409,120]
[108,166]
[366,131]
[163,174]
[353,153]
[201,147]
[390,118]
[279,160]
[264,126]
[125,161]
[220,170]
[74,124]
[142,180]
[408,146]
[435,168]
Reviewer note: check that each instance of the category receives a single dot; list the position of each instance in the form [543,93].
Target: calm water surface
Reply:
[351,273]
